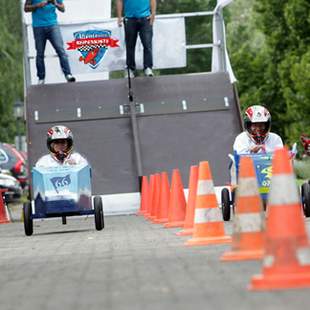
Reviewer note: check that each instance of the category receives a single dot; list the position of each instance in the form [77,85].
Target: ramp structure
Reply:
[172,121]
[181,120]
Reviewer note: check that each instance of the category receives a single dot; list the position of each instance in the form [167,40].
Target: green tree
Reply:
[11,68]
[270,53]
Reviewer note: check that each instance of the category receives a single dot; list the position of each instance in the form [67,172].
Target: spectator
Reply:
[305,141]
[45,27]
[257,137]
[60,145]
[139,18]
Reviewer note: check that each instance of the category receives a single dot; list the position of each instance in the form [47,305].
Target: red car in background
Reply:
[12,160]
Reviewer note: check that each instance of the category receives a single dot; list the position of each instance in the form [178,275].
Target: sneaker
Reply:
[41,81]
[70,78]
[131,73]
[148,72]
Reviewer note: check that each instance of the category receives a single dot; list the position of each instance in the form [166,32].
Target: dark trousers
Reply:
[53,34]
[133,27]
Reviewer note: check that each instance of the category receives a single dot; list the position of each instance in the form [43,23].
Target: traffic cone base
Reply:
[242,255]
[208,240]
[4,221]
[174,224]
[281,281]
[250,246]
[161,221]
[185,232]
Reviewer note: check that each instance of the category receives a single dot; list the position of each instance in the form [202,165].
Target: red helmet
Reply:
[59,132]
[254,115]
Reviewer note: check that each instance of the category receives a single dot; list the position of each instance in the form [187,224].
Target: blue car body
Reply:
[263,168]
[62,191]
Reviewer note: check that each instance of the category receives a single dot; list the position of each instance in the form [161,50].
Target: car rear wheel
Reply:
[28,222]
[225,204]
[305,196]
[99,217]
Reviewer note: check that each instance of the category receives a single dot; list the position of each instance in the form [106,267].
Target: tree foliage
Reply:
[11,70]
[270,51]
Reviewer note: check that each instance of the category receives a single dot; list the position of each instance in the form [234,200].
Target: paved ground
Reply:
[131,264]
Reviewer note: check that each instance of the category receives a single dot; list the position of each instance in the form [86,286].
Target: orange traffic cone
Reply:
[287,254]
[188,227]
[4,217]
[156,201]
[144,195]
[150,196]
[248,234]
[208,224]
[177,202]
[164,199]
[151,215]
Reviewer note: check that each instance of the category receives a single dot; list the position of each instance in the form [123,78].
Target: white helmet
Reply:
[257,114]
[59,132]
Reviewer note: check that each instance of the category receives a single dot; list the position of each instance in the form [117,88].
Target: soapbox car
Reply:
[60,192]
[263,168]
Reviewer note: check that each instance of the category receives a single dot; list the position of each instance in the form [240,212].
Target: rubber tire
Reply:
[233,199]
[305,195]
[225,201]
[28,222]
[99,217]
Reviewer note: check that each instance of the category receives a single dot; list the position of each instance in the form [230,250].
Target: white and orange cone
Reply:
[286,261]
[208,223]
[248,228]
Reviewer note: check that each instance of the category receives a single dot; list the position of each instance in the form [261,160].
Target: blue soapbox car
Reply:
[263,167]
[60,192]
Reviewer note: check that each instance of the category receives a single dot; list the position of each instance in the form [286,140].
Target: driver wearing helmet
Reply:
[60,144]
[257,137]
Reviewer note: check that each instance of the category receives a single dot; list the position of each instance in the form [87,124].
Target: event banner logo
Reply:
[93,45]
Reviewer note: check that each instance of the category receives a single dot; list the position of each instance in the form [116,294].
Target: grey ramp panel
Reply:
[107,143]
[169,140]
[181,140]
[185,140]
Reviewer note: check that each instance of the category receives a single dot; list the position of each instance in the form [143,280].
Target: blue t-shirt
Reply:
[45,16]
[137,8]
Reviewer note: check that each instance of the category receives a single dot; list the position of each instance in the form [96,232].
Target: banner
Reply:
[99,47]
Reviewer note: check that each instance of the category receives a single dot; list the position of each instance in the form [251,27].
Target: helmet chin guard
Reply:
[257,114]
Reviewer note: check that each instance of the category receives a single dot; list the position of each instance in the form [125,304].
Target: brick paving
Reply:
[131,264]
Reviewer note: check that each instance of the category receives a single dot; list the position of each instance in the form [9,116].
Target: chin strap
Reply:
[61,156]
[258,139]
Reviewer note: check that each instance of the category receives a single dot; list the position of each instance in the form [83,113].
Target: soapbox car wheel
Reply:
[28,223]
[99,217]
[225,204]
[305,196]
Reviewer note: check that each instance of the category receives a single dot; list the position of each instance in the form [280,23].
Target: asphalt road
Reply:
[131,264]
